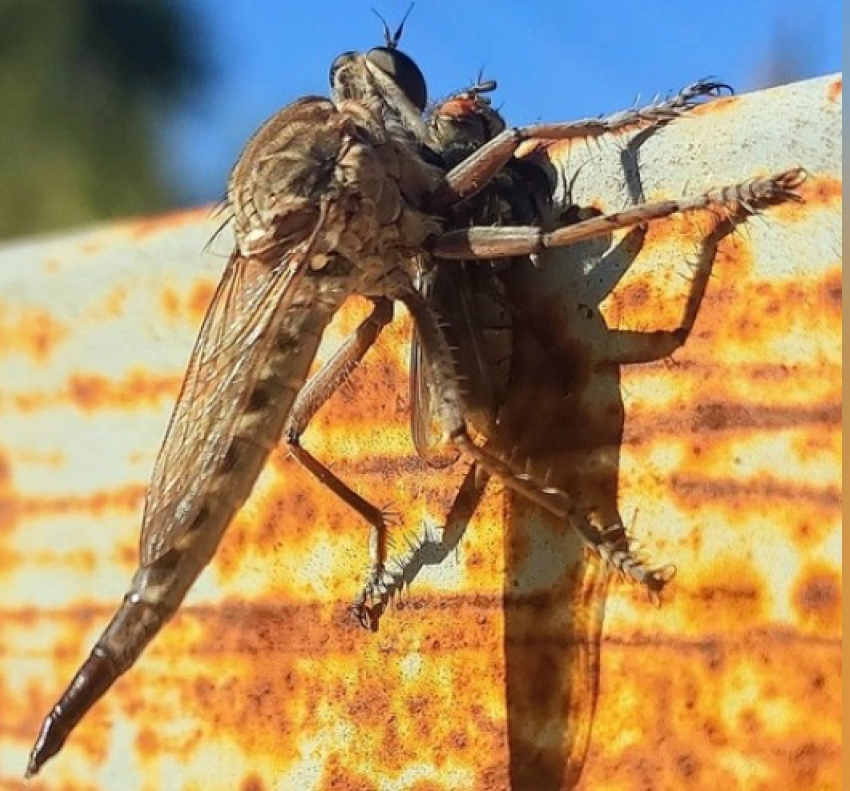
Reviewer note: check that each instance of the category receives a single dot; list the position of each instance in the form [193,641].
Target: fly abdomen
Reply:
[90,683]
[168,570]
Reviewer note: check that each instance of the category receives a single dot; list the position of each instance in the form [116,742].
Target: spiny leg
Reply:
[318,389]
[400,572]
[485,242]
[616,550]
[476,171]
[611,541]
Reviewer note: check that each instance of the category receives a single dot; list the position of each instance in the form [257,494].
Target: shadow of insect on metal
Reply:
[330,198]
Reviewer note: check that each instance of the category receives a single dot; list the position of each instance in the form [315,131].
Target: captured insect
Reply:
[481,301]
[330,198]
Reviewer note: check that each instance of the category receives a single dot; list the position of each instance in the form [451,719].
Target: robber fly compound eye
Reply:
[340,62]
[401,69]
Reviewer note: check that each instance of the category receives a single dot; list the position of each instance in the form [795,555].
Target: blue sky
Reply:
[552,60]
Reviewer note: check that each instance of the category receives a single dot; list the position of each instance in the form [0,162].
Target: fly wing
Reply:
[424,423]
[450,291]
[234,342]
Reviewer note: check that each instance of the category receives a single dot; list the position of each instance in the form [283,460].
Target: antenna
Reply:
[391,39]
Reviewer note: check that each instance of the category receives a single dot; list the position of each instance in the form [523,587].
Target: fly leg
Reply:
[609,541]
[400,572]
[476,171]
[450,413]
[382,583]
[318,389]
[486,242]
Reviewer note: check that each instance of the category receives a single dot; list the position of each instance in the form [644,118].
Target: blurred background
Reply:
[123,107]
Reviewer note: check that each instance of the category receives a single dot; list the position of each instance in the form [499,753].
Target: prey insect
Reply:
[484,303]
[331,198]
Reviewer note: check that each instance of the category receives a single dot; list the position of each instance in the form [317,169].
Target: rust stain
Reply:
[736,257]
[32,332]
[92,245]
[191,307]
[646,424]
[115,301]
[699,714]
[252,783]
[150,742]
[820,191]
[88,390]
[728,596]
[15,507]
[171,303]
[834,89]
[817,599]
[814,446]
[5,472]
[141,228]
[725,416]
[199,299]
[833,291]
[721,105]
[81,562]
[92,392]
[731,493]
[770,309]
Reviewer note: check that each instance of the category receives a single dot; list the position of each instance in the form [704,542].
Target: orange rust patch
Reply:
[128,555]
[139,229]
[817,599]
[339,777]
[769,306]
[91,392]
[693,492]
[200,298]
[87,390]
[833,289]
[252,783]
[721,105]
[151,742]
[735,256]
[834,89]
[9,561]
[81,562]
[729,595]
[189,307]
[92,245]
[34,333]
[171,302]
[819,191]
[634,296]
[5,472]
[810,527]
[125,499]
[115,300]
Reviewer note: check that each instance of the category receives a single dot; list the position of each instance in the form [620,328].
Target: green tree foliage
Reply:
[83,84]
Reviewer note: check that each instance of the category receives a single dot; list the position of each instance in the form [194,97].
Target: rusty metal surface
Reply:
[730,465]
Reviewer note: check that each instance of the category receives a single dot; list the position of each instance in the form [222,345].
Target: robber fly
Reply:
[330,198]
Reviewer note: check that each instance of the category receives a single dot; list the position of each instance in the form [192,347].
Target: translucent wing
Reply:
[457,298]
[234,342]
